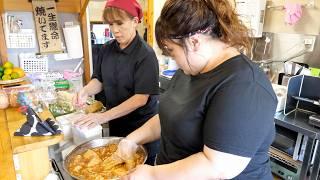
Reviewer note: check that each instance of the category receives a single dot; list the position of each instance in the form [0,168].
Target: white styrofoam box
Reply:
[281,92]
[52,176]
[65,123]
[85,134]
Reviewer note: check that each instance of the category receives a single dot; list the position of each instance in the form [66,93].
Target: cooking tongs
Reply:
[315,102]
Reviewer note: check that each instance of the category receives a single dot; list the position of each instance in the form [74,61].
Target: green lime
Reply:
[1,69]
[14,75]
[1,74]
[6,77]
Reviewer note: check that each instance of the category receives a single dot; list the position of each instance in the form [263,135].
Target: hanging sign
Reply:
[47,27]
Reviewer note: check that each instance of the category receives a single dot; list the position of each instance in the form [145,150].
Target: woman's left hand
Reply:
[141,172]
[90,120]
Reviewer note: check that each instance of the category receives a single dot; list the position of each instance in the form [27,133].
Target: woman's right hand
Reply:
[80,98]
[126,149]
[125,153]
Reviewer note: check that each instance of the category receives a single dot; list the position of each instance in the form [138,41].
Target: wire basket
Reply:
[32,63]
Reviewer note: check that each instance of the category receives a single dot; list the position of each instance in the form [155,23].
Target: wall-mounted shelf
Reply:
[309,5]
[66,6]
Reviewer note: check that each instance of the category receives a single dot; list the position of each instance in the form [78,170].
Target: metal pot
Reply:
[94,144]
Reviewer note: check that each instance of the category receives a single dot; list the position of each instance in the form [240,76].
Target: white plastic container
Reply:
[82,135]
[281,92]
[172,65]
[65,123]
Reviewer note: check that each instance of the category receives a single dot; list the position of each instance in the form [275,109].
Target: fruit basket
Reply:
[10,74]
[12,81]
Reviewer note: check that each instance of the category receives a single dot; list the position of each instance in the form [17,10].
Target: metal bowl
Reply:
[94,144]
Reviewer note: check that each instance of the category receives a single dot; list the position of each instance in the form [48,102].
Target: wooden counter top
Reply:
[22,144]
[6,159]
[10,121]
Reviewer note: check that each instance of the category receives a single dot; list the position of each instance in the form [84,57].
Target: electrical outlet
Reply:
[309,42]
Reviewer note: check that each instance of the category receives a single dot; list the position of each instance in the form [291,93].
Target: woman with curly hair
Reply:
[216,118]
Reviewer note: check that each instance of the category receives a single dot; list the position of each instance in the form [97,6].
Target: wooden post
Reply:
[83,8]
[150,22]
[3,47]
[85,42]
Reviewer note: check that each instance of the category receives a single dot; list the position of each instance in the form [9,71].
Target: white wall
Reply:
[96,10]
[308,24]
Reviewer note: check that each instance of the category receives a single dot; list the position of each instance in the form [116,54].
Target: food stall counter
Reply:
[6,160]
[27,156]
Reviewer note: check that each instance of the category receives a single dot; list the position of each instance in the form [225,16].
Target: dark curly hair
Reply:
[183,18]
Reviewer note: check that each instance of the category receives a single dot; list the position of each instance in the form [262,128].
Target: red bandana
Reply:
[130,6]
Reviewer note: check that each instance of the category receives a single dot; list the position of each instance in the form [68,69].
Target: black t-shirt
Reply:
[229,109]
[124,73]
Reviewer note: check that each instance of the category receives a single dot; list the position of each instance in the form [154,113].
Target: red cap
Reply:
[130,6]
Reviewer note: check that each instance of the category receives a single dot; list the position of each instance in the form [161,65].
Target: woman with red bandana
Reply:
[127,72]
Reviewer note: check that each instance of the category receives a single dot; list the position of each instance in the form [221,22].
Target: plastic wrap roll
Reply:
[72,36]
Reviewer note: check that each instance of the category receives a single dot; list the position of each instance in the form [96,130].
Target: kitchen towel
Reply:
[293,13]
[35,127]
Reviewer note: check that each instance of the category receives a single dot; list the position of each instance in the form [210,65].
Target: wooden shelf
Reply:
[70,6]
[64,6]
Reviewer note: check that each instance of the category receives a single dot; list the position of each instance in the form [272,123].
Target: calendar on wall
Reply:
[24,39]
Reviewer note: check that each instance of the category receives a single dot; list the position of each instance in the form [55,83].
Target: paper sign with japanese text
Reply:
[47,26]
